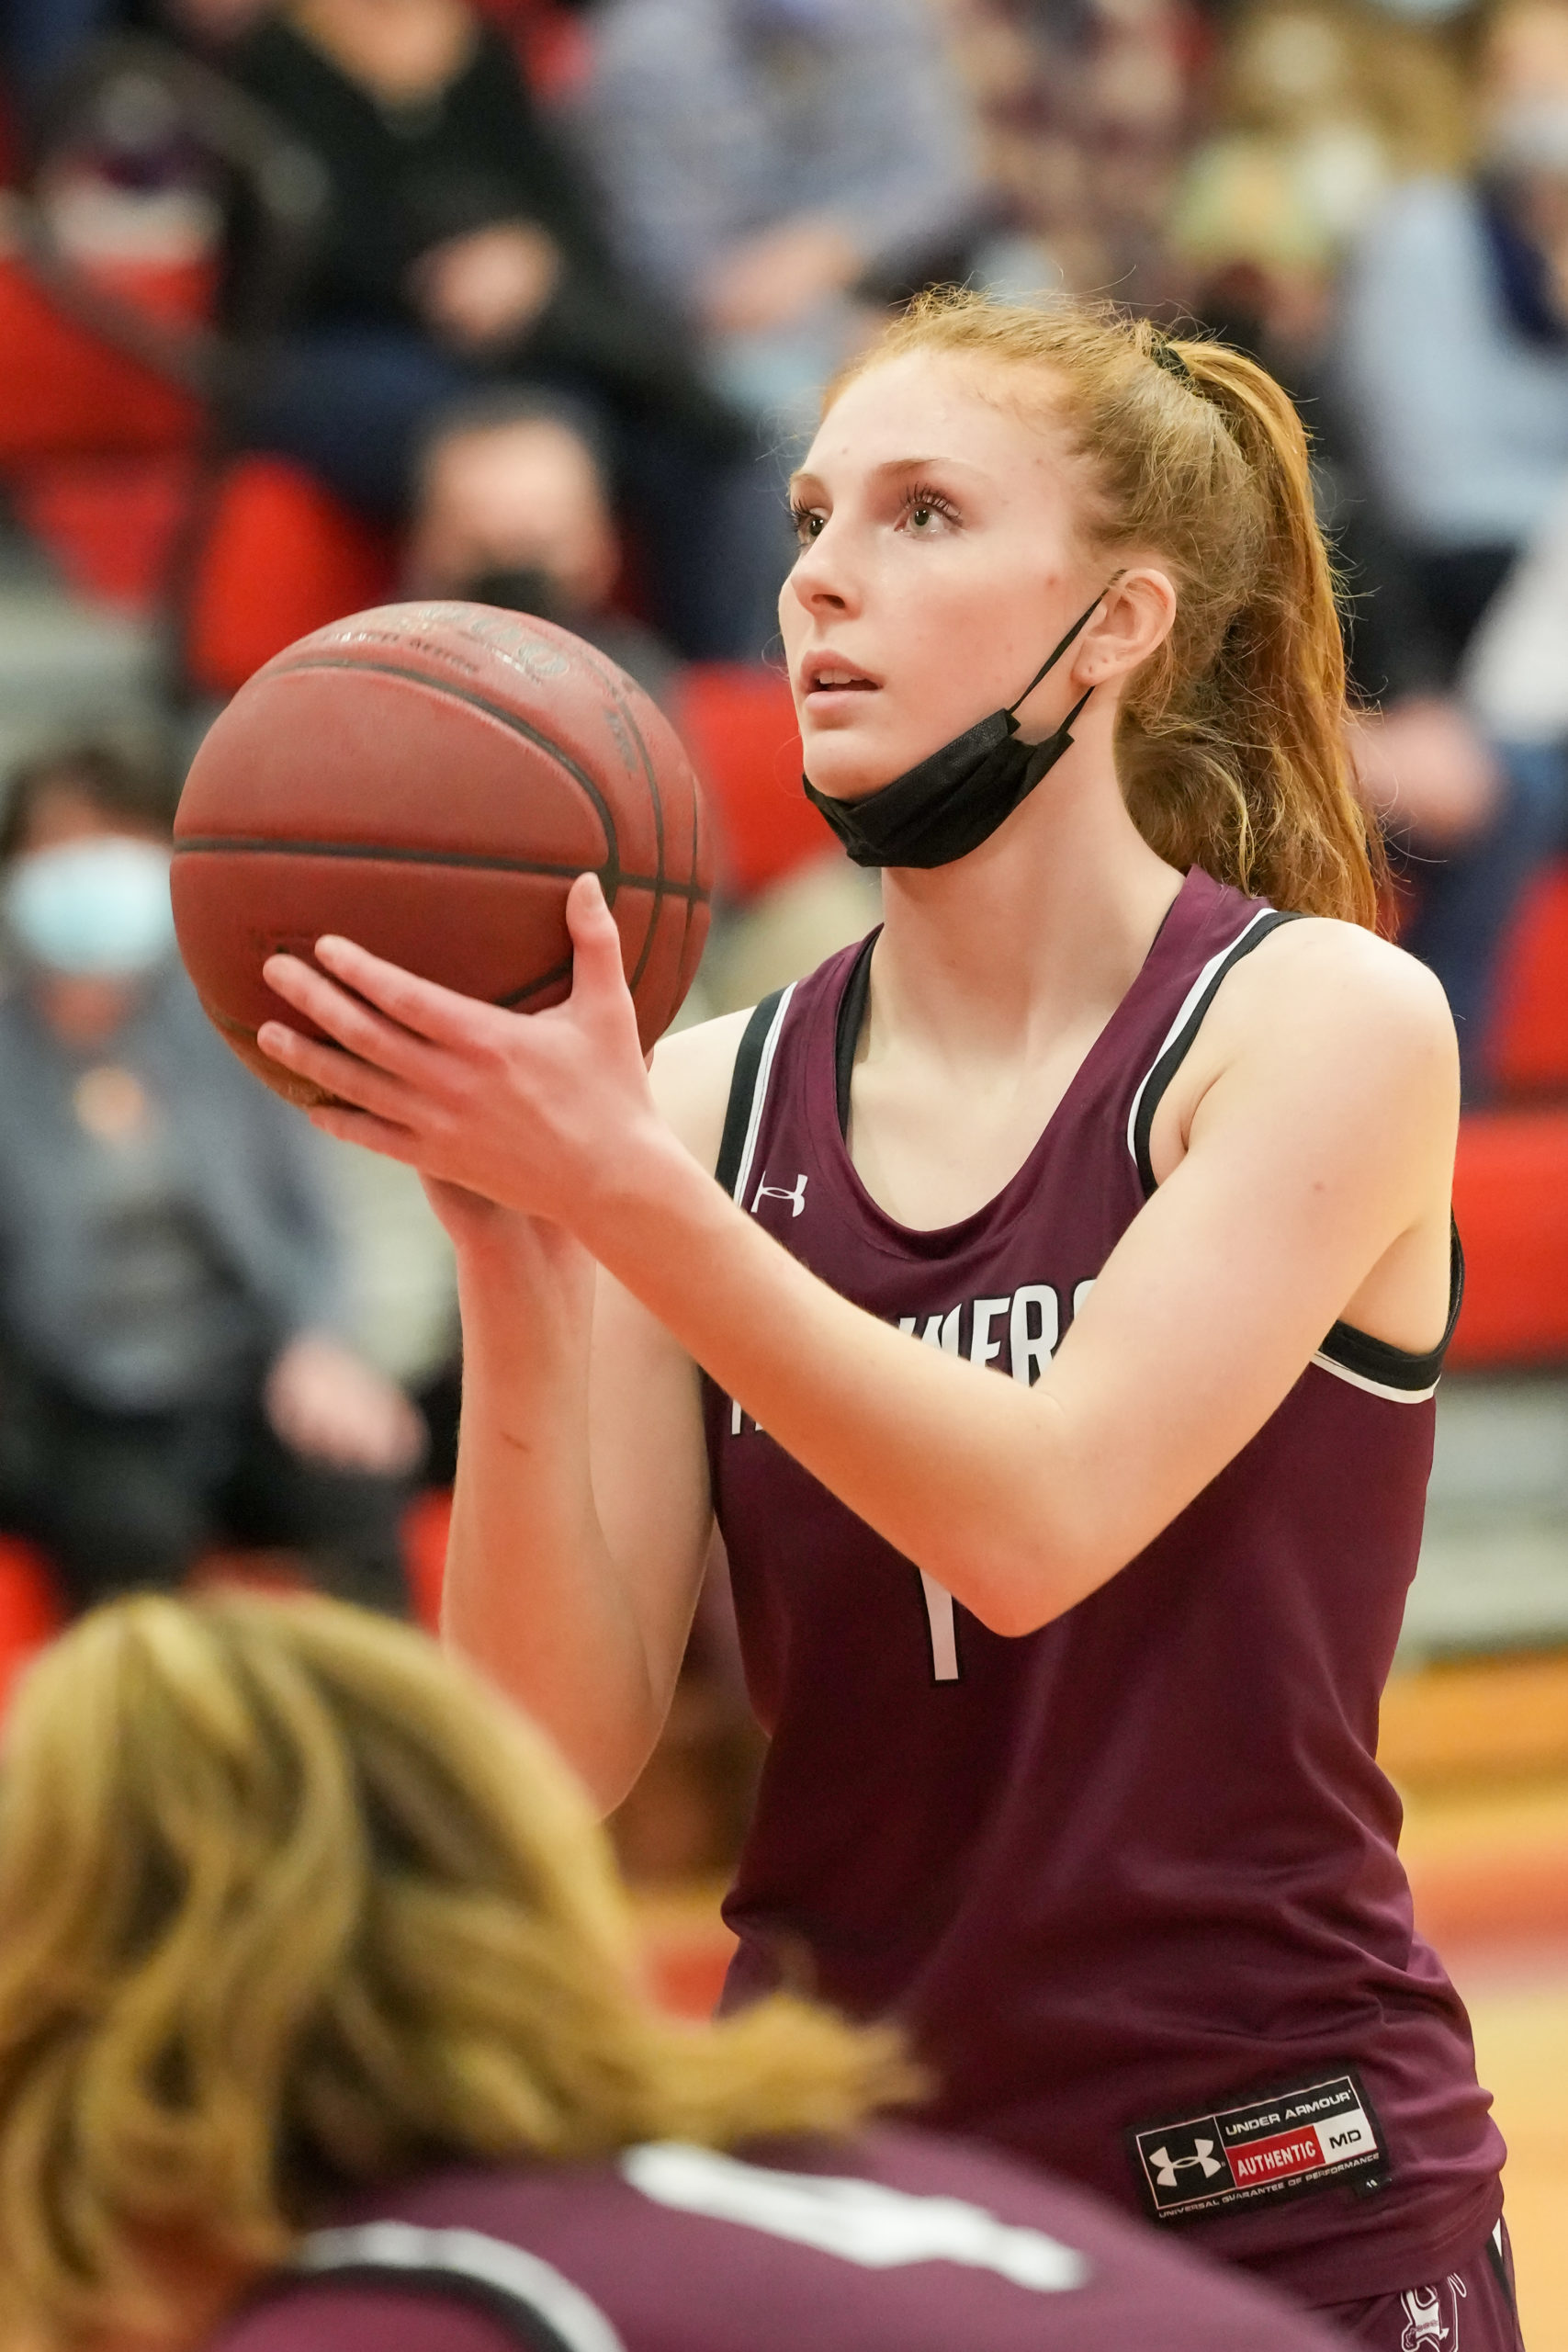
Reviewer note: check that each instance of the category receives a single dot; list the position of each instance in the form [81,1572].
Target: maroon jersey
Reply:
[1130,1882]
[898,2243]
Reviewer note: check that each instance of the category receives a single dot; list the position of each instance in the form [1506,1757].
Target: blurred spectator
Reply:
[39,39]
[1453,342]
[1085,112]
[1320,106]
[1461,835]
[169,1374]
[512,508]
[770,161]
[461,251]
[1452,361]
[1515,670]
[775,168]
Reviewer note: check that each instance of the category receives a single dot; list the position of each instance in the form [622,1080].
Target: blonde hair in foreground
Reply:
[1232,743]
[290,1903]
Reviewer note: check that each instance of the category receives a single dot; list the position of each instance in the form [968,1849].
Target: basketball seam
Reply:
[248,845]
[686,928]
[517,997]
[652,780]
[519,726]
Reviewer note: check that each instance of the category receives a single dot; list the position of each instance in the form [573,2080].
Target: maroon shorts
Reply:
[1471,2310]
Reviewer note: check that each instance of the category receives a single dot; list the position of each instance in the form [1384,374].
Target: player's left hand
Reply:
[328,1404]
[545,1111]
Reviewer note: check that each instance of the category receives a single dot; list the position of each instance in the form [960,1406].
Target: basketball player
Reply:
[1068,1345]
[319,2032]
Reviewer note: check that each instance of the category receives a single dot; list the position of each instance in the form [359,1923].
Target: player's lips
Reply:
[826,675]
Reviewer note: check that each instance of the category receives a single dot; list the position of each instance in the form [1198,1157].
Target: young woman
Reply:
[1072,1677]
[320,2031]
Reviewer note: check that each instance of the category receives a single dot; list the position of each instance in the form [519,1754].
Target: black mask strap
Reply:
[1054,745]
[1052,659]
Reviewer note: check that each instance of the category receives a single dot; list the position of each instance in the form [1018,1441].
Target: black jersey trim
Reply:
[847,1029]
[537,2303]
[1387,1371]
[1495,2257]
[1376,1365]
[1181,1034]
[748,1085]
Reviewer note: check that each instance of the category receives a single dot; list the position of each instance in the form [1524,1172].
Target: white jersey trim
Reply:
[472,2254]
[1373,1388]
[759,1093]
[1194,998]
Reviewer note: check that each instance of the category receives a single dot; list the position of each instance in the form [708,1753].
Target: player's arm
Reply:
[1320,1147]
[580,1516]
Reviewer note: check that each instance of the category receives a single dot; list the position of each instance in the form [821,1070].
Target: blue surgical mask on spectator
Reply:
[95,909]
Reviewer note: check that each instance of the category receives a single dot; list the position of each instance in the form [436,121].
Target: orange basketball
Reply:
[428,780]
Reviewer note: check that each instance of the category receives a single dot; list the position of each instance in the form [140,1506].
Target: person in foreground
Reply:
[320,2028]
[1068,1316]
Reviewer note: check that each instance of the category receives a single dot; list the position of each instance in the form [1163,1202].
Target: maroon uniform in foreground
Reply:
[1131,1882]
[899,2243]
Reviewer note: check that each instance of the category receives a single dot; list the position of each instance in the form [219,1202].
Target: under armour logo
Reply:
[794,1194]
[1167,2167]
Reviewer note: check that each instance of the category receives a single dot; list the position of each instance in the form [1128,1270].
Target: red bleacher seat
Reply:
[1529,1041]
[109,523]
[30,1613]
[426,1524]
[64,393]
[1511,1200]
[282,557]
[738,721]
[100,456]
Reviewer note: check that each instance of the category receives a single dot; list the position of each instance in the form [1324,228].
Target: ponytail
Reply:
[1231,746]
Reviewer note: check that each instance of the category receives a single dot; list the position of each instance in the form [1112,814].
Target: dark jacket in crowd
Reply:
[406,179]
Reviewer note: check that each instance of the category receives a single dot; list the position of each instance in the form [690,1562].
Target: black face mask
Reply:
[937,811]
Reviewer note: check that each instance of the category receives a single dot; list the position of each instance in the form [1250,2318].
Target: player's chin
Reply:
[849,762]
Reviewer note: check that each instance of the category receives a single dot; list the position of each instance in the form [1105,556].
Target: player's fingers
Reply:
[357,1026]
[596,962]
[375,1135]
[440,1015]
[339,1074]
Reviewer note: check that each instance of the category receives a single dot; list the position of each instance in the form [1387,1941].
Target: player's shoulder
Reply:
[691,1073]
[1339,988]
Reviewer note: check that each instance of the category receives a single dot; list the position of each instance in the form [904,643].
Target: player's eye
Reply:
[807,522]
[925,511]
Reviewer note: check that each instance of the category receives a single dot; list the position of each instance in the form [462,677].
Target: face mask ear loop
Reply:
[1052,659]
[1054,745]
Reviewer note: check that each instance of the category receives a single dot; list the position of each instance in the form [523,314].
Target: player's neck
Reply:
[1039,929]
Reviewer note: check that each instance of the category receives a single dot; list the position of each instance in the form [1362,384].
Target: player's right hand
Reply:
[550,1113]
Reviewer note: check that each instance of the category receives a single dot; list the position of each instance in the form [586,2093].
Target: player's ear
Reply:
[1136,617]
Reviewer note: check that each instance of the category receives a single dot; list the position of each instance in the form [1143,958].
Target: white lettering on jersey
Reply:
[1032,1349]
[983,1348]
[859,2221]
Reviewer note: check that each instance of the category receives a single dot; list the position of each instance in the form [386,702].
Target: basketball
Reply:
[428,780]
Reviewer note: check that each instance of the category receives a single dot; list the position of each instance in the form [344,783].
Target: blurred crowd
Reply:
[562,289]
